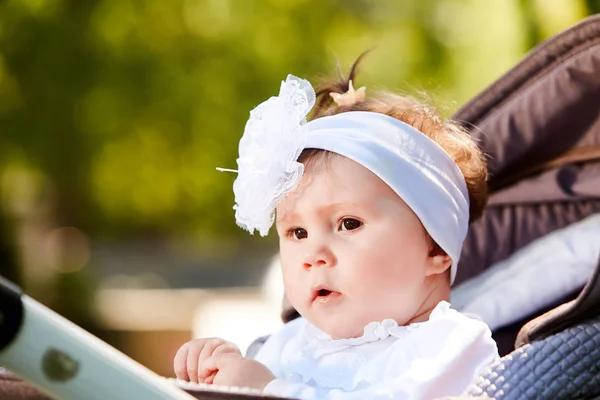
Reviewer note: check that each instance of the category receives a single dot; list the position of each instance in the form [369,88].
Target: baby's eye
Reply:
[349,224]
[298,233]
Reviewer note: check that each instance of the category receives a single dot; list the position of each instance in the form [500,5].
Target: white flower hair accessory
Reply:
[423,175]
[268,152]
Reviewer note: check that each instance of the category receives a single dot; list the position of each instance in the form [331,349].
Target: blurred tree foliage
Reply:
[120,110]
[115,113]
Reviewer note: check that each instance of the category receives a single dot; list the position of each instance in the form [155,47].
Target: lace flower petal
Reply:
[268,152]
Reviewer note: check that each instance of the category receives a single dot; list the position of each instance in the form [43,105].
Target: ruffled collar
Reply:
[319,359]
[374,331]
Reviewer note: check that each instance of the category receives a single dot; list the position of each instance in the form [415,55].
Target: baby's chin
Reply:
[342,330]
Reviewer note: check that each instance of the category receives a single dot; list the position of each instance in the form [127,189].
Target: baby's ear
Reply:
[439,262]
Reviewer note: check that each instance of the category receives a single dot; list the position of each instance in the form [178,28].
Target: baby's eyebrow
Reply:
[345,204]
[364,208]
[328,209]
[290,215]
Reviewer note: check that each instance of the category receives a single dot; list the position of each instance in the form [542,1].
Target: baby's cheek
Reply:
[383,280]
[289,280]
[293,286]
[366,282]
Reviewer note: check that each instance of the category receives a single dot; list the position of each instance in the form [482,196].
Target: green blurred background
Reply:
[115,113]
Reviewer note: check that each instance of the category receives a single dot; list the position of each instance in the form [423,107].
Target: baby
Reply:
[372,200]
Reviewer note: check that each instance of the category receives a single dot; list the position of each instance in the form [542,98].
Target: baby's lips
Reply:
[322,290]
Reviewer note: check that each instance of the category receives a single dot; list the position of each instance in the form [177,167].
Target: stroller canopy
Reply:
[540,126]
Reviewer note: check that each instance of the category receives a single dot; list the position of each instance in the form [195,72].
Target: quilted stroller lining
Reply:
[562,366]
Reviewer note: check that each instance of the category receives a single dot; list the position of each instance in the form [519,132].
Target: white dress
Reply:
[423,360]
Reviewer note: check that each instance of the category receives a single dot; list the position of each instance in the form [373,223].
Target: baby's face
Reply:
[352,251]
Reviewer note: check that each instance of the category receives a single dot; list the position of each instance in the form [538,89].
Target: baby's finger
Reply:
[227,348]
[223,366]
[192,362]
[210,378]
[208,350]
[209,366]
[180,363]
[208,370]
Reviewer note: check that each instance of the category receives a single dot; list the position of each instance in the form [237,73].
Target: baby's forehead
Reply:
[333,183]
[331,164]
[339,172]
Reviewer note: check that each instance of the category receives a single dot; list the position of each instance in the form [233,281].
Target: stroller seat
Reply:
[550,365]
[562,366]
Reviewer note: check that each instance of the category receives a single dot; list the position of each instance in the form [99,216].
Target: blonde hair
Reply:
[453,138]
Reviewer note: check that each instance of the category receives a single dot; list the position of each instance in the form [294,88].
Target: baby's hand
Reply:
[235,370]
[190,360]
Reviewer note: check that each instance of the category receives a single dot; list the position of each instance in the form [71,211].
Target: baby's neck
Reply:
[440,291]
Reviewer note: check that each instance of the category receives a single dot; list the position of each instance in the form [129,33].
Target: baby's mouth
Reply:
[324,293]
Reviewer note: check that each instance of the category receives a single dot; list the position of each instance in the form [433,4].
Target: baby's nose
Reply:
[316,263]
[322,257]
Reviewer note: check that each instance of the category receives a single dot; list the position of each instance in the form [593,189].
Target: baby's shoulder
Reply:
[451,332]
[444,316]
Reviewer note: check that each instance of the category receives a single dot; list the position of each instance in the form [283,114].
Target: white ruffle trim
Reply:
[341,361]
[375,331]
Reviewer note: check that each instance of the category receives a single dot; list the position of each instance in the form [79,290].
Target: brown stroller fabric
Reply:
[12,388]
[540,125]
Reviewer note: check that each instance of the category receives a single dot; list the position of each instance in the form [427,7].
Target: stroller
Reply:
[540,124]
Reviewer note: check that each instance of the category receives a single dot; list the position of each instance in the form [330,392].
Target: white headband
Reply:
[412,164]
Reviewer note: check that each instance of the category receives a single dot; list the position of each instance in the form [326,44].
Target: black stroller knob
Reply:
[11,312]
